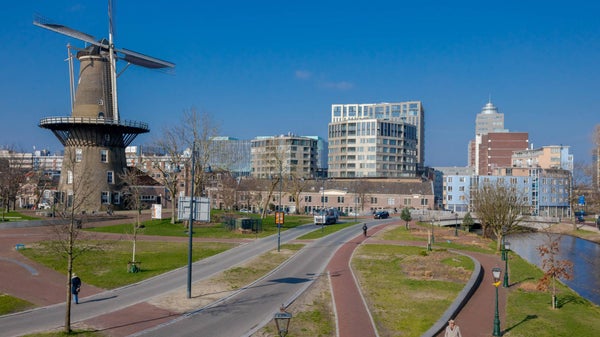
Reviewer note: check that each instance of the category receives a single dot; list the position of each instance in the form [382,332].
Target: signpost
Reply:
[279,220]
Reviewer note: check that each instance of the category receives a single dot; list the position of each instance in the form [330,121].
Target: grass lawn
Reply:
[15,216]
[9,304]
[107,268]
[408,289]
[214,229]
[530,313]
[322,231]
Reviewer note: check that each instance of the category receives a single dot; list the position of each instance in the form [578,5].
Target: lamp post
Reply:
[323,203]
[279,213]
[191,225]
[505,284]
[282,321]
[432,235]
[355,202]
[496,274]
[455,223]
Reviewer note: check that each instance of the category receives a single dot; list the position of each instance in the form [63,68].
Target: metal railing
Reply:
[88,120]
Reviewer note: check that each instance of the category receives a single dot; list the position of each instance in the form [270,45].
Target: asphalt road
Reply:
[253,307]
[239,315]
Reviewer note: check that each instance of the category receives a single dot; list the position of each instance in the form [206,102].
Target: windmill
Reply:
[94,135]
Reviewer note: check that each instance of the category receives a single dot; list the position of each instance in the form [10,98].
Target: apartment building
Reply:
[495,150]
[410,112]
[552,156]
[288,155]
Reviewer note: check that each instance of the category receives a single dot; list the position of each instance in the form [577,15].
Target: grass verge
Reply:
[9,304]
[107,268]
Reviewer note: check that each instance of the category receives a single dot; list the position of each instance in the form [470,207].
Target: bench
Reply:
[19,246]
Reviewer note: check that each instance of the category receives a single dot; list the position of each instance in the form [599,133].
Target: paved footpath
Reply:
[352,315]
[475,319]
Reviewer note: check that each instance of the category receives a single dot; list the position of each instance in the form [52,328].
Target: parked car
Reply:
[327,217]
[381,215]
[43,205]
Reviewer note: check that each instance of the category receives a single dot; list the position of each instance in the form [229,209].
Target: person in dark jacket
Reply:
[365,230]
[75,287]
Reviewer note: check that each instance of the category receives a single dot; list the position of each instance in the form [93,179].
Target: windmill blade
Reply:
[144,60]
[68,32]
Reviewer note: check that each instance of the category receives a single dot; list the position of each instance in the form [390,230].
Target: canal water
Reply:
[584,254]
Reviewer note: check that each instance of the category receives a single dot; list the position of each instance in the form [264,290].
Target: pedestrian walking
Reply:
[452,330]
[75,287]
[365,230]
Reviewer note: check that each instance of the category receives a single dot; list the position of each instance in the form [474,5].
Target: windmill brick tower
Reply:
[94,137]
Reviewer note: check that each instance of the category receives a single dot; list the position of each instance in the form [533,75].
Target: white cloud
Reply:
[303,74]
[341,85]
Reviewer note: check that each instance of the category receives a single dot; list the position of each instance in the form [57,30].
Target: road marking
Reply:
[29,268]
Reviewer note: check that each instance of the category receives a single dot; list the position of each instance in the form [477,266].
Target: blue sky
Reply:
[272,67]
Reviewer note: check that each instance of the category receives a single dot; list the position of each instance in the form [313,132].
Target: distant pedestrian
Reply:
[365,230]
[75,287]
[452,330]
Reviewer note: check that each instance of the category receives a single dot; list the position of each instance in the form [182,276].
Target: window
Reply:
[78,155]
[104,156]
[116,198]
[324,199]
[110,177]
[104,197]
[373,200]
[391,201]
[69,177]
[307,198]
[340,200]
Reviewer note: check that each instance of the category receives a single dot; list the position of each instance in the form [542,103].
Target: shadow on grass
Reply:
[527,318]
[564,300]
[521,281]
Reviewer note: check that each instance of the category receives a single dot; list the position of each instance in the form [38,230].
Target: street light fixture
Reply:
[282,321]
[455,224]
[505,284]
[496,274]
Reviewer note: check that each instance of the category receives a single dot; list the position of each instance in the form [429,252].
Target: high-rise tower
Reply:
[94,136]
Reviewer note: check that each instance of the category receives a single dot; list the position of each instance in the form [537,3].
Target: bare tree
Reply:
[295,187]
[132,192]
[170,164]
[228,189]
[553,267]
[198,130]
[362,192]
[69,238]
[12,177]
[499,207]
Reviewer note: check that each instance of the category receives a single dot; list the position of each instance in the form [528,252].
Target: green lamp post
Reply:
[505,284]
[496,274]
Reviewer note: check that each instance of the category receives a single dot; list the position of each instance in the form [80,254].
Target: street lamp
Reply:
[432,235]
[323,203]
[279,213]
[496,274]
[282,321]
[506,249]
[455,224]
